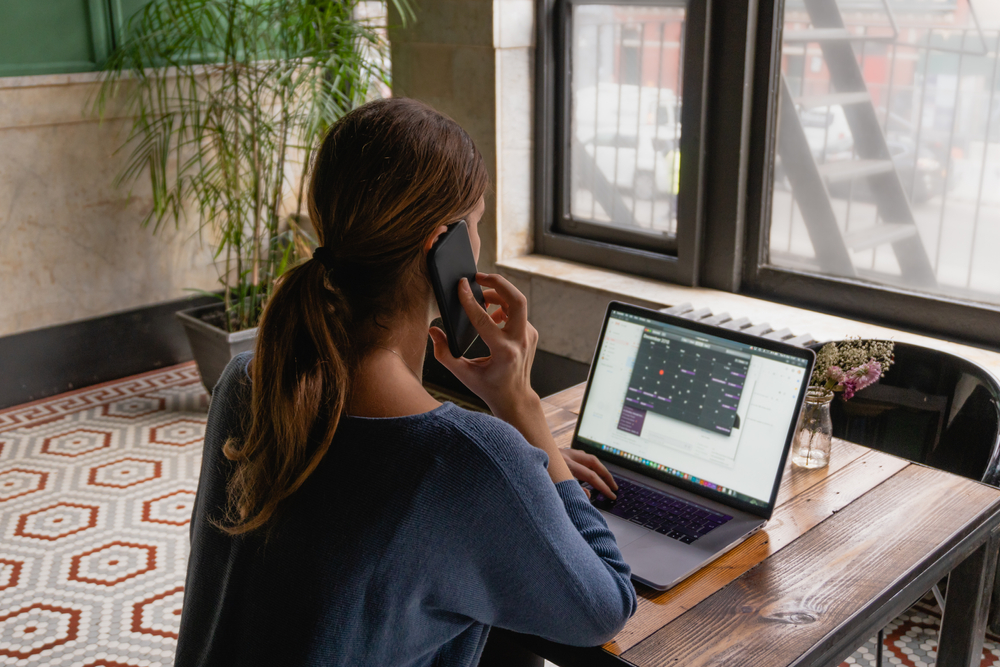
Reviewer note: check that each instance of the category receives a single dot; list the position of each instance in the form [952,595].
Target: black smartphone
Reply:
[450,260]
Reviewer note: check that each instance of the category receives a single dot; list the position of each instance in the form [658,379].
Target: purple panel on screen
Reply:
[631,420]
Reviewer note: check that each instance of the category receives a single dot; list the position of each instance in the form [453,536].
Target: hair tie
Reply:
[339,271]
[325,257]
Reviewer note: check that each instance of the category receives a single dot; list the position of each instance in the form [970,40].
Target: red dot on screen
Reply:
[661,372]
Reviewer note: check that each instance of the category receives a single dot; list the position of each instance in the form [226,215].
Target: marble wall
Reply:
[514,39]
[71,246]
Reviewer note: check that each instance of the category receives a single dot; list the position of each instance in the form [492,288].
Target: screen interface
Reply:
[696,406]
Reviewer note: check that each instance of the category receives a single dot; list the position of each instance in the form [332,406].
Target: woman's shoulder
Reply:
[235,375]
[448,422]
[447,431]
[488,436]
[230,398]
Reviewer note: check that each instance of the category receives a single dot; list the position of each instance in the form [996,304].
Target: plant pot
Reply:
[213,347]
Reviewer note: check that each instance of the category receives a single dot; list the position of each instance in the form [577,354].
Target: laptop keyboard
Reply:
[680,519]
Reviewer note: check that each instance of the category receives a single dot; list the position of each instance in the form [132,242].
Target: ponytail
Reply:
[300,374]
[385,177]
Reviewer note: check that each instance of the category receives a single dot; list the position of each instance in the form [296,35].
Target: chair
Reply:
[934,408]
[931,407]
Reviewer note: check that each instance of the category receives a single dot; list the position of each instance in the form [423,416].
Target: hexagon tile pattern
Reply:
[96,492]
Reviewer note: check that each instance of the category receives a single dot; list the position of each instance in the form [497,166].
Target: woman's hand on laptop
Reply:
[588,468]
[503,379]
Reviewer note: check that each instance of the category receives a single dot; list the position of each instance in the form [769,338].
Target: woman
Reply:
[344,516]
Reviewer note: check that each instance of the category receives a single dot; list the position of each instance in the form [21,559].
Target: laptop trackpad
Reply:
[625,532]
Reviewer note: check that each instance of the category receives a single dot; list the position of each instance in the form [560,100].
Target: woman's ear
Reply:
[429,243]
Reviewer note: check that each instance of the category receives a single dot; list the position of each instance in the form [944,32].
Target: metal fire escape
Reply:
[809,180]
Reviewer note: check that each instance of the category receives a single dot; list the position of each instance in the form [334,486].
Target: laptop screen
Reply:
[713,412]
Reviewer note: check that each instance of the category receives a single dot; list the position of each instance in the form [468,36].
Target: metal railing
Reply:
[627,74]
[935,92]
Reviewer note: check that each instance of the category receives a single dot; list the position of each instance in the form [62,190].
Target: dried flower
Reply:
[868,373]
[866,361]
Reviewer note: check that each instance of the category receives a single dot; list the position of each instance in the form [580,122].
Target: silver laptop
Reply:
[695,422]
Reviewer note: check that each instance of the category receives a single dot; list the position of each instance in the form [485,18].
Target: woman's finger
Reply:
[595,464]
[517,305]
[592,462]
[499,306]
[481,320]
[443,353]
[494,298]
[587,475]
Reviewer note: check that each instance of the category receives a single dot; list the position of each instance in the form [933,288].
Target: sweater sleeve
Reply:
[545,562]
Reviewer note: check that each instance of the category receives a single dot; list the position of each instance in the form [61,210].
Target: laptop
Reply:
[695,423]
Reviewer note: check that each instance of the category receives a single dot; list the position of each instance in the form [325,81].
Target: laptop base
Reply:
[661,562]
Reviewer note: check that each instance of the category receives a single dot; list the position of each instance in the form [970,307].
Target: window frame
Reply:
[599,245]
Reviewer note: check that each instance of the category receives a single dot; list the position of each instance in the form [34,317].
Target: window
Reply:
[615,192]
[851,152]
[886,164]
[625,119]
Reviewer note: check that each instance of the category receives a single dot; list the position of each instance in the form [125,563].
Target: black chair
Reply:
[931,407]
[934,408]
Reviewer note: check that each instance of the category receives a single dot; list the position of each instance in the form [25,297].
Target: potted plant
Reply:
[226,100]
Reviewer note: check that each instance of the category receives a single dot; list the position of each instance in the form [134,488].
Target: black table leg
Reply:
[963,620]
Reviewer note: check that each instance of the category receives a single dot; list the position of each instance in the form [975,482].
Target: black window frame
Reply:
[601,245]
[731,217]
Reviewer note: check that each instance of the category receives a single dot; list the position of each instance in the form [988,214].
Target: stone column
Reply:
[472,59]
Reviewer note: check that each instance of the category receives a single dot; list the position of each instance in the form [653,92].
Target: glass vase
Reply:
[811,448]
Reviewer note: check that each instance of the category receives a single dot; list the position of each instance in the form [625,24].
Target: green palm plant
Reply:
[227,99]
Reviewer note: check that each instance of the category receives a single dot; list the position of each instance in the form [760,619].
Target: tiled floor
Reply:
[911,640]
[96,488]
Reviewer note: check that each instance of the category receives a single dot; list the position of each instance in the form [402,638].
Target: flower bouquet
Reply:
[865,362]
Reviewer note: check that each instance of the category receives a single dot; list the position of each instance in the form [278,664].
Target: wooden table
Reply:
[849,548]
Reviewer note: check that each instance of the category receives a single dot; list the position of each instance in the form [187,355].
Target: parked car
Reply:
[631,133]
[826,131]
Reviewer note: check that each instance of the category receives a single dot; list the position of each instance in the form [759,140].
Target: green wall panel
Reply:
[62,36]
[53,36]
[121,12]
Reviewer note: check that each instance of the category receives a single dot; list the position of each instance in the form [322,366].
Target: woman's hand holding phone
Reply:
[503,379]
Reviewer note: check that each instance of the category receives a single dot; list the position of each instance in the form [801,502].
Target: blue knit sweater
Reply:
[412,537]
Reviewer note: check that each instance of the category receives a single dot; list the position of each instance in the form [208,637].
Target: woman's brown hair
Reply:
[385,177]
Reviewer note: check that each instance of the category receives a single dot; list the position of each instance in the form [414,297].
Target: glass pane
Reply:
[626,116]
[888,160]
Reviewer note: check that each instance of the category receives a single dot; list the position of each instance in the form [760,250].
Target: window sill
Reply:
[567,303]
